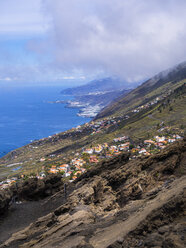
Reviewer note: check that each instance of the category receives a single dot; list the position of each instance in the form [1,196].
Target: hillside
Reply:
[167,116]
[114,182]
[161,84]
[119,203]
[146,122]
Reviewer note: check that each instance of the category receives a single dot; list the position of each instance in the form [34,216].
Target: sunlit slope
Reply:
[169,112]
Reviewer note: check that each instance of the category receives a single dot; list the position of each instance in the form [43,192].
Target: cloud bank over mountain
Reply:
[51,40]
[133,39]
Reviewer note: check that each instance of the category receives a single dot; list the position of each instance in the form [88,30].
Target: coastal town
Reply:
[93,154]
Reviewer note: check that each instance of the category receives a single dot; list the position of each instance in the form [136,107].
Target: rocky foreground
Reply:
[119,203]
[29,190]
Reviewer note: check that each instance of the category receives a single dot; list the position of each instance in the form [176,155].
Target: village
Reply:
[151,103]
[91,156]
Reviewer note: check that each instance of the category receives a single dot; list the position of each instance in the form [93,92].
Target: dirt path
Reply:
[153,118]
[104,238]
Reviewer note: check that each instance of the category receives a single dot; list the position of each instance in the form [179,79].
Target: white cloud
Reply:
[133,39]
[73,77]
[69,78]
[8,79]
[22,17]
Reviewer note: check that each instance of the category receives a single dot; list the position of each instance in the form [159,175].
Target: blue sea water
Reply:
[26,115]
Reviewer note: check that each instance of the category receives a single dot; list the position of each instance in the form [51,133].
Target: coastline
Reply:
[86,110]
[29,115]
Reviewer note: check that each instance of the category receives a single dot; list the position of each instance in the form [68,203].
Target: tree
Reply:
[171,108]
[131,146]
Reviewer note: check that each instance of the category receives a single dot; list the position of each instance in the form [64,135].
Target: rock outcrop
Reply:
[33,188]
[30,189]
[119,203]
[5,199]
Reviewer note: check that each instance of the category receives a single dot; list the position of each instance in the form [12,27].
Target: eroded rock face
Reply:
[33,189]
[165,227]
[120,203]
[5,199]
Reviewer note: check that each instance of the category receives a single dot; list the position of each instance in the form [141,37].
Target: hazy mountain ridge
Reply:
[147,91]
[104,99]
[101,85]
[95,95]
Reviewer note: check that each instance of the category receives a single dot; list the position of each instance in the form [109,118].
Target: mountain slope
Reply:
[130,200]
[119,203]
[161,84]
[165,117]
[169,112]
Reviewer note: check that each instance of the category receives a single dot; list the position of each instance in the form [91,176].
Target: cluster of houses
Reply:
[161,142]
[108,150]
[154,145]
[147,105]
[78,165]
[156,100]
[99,126]
[119,139]
[89,156]
[71,170]
[8,182]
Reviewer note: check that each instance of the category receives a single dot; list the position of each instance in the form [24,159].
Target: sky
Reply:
[79,40]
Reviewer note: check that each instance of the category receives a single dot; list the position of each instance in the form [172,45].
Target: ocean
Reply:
[27,115]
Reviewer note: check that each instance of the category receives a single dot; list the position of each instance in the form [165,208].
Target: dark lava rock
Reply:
[118,203]
[34,189]
[5,199]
